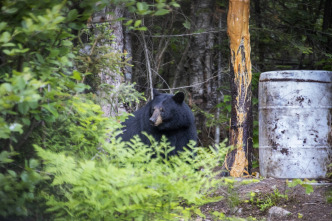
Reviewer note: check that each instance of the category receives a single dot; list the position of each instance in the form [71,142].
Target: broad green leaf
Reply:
[5,88]
[51,109]
[12,173]
[10,10]
[161,5]
[2,25]
[67,43]
[141,29]
[23,107]
[54,52]
[25,176]
[26,121]
[9,44]
[80,87]
[140,6]
[72,15]
[5,37]
[33,163]
[186,24]
[5,157]
[4,133]
[129,22]
[174,4]
[161,12]
[77,75]
[308,188]
[40,58]
[33,104]
[137,23]
[16,127]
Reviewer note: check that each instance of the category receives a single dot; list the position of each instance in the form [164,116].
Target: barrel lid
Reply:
[297,75]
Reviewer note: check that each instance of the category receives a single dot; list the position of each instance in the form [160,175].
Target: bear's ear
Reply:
[178,97]
[155,92]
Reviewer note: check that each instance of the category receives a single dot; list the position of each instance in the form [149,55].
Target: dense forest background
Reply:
[70,70]
[188,50]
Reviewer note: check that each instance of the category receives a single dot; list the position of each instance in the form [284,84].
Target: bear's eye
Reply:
[161,110]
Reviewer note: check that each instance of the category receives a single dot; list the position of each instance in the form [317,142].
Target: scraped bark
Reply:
[239,160]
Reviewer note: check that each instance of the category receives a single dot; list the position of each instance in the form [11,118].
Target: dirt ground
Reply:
[236,202]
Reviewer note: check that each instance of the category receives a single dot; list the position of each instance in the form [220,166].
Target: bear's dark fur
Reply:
[167,115]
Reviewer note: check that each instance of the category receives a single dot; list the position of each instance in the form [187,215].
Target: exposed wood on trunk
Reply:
[241,121]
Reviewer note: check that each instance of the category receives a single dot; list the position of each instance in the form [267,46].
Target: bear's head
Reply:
[169,112]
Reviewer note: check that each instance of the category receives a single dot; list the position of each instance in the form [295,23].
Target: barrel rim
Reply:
[311,76]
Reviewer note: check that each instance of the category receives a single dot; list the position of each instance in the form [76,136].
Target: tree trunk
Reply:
[239,160]
[108,76]
[218,85]
[200,62]
[128,70]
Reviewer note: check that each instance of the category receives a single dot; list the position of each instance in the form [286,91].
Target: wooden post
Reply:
[239,160]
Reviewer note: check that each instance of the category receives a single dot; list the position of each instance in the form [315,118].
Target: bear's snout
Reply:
[156,118]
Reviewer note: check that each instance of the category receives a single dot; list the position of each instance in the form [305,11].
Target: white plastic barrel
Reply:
[295,136]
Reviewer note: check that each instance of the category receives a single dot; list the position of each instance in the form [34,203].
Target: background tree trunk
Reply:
[238,161]
[201,62]
[108,76]
[128,69]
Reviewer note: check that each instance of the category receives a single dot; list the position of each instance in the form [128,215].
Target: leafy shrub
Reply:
[40,95]
[93,174]
[17,190]
[125,182]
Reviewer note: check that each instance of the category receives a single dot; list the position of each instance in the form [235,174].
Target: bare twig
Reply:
[147,63]
[189,34]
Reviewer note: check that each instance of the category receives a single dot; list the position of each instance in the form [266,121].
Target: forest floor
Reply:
[272,192]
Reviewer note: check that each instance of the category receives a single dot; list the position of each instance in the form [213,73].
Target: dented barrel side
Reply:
[295,137]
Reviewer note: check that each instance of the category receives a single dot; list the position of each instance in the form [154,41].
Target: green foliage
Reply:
[17,190]
[304,183]
[233,199]
[218,215]
[20,91]
[41,100]
[81,123]
[290,35]
[92,58]
[221,216]
[141,9]
[37,51]
[97,54]
[329,197]
[224,116]
[267,201]
[124,181]
[36,85]
[263,202]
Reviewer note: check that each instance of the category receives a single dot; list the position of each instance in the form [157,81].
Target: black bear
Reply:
[167,115]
